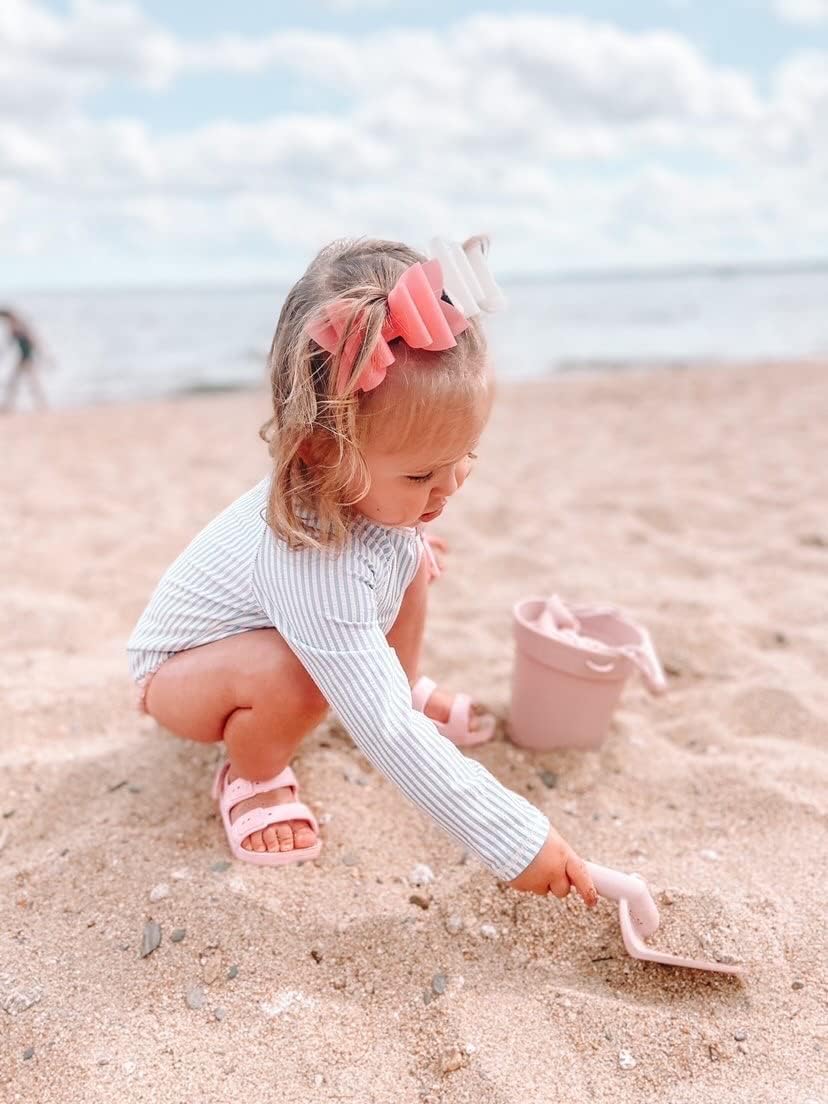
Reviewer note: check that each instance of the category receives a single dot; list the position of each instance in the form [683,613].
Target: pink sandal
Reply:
[257,819]
[456,728]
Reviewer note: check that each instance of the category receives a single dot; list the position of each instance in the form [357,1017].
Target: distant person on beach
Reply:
[308,592]
[26,367]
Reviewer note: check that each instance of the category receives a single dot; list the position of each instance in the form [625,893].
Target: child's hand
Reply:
[556,869]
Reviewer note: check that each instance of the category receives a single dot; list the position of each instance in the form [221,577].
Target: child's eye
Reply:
[430,475]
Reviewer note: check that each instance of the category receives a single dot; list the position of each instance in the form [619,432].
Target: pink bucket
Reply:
[570,667]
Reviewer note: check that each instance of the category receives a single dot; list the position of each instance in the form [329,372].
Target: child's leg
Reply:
[251,691]
[406,638]
[10,392]
[406,634]
[36,386]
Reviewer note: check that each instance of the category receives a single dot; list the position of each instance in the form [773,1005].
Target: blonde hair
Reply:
[315,433]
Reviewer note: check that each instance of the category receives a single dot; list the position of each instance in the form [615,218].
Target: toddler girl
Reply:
[309,591]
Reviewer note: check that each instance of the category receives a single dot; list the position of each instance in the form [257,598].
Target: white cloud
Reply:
[499,123]
[805,12]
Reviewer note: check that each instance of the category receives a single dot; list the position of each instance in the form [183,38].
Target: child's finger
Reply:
[559,885]
[578,874]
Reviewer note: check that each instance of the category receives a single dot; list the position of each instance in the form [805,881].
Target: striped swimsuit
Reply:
[333,610]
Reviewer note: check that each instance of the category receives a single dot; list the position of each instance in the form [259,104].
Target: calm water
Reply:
[117,345]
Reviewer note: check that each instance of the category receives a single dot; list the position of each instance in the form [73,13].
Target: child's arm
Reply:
[326,610]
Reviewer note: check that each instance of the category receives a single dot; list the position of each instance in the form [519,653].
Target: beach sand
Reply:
[696,500]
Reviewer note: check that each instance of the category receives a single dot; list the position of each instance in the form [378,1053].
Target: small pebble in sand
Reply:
[159,892]
[180,875]
[28,1053]
[421,875]
[549,779]
[178,935]
[195,997]
[350,859]
[219,1013]
[709,854]
[316,955]
[211,967]
[797,985]
[220,866]
[438,984]
[233,972]
[452,1060]
[626,1060]
[454,924]
[740,1036]
[287,1000]
[488,931]
[151,938]
[134,789]
[13,999]
[419,900]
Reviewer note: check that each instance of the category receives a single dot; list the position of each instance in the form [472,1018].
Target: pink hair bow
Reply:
[416,313]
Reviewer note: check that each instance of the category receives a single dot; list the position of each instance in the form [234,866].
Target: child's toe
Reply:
[270,838]
[285,835]
[303,834]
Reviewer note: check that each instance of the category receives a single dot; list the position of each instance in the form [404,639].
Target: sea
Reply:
[112,345]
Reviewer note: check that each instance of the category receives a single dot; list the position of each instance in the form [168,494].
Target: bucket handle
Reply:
[645,658]
[601,668]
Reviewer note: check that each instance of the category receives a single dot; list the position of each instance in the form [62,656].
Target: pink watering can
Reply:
[570,667]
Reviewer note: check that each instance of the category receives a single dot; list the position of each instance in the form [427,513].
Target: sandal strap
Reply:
[460,713]
[421,691]
[258,819]
[231,793]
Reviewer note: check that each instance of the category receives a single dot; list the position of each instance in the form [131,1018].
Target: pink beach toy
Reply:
[570,667]
[639,919]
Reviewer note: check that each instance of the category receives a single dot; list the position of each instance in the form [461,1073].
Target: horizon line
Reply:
[722,269]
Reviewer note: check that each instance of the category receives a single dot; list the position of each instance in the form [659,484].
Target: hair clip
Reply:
[416,313]
[466,276]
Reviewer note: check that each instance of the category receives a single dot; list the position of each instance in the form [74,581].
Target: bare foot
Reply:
[287,836]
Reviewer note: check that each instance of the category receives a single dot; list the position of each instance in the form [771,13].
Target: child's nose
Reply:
[451,480]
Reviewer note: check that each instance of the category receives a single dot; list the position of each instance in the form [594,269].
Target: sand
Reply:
[697,500]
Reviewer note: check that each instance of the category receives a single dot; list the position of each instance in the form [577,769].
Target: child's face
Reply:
[411,487]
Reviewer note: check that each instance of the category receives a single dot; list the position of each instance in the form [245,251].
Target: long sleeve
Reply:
[325,607]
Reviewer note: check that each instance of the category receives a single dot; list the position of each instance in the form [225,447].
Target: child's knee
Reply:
[287,687]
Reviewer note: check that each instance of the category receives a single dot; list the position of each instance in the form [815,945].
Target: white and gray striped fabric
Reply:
[334,610]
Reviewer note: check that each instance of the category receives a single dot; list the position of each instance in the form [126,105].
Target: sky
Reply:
[147,142]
